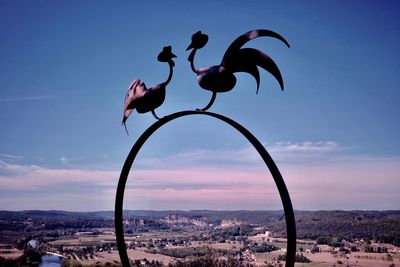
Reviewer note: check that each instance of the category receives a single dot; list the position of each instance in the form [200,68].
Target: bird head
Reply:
[199,40]
[166,55]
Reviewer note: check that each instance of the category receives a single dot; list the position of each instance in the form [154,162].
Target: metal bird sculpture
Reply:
[221,78]
[144,100]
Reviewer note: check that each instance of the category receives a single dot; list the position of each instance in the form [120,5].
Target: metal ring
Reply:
[283,192]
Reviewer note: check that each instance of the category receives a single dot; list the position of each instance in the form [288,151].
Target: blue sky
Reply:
[334,131]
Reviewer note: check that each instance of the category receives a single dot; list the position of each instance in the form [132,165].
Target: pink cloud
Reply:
[345,182]
[14,176]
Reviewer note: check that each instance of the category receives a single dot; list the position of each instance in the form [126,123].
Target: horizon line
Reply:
[195,210]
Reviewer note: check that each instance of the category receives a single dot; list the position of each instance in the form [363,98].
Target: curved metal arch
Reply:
[283,192]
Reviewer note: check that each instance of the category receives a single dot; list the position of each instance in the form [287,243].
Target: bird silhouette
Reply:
[144,100]
[221,78]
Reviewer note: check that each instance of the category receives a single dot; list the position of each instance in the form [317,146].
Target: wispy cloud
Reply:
[10,157]
[15,176]
[187,181]
[247,157]
[25,98]
[316,152]
[66,160]
[205,157]
[305,147]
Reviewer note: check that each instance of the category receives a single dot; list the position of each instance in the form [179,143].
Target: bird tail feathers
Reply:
[248,59]
[244,38]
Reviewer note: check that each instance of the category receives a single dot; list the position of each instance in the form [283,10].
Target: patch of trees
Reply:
[71,263]
[299,258]
[74,224]
[31,257]
[379,249]
[208,261]
[186,252]
[264,247]
[147,263]
[12,262]
[147,225]
[234,231]
[50,220]
[11,226]
[328,226]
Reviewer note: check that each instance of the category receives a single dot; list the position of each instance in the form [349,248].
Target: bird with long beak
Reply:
[221,78]
[144,100]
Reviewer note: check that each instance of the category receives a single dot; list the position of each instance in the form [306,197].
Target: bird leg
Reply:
[214,95]
[154,114]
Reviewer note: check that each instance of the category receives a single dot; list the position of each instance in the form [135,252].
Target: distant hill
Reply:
[47,214]
[254,217]
[382,226]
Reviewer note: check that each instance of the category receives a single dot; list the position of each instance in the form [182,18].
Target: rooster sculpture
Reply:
[221,78]
[144,100]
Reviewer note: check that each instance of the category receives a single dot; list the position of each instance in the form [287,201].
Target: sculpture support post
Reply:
[283,192]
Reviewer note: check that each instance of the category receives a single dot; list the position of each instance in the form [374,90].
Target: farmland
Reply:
[233,238]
